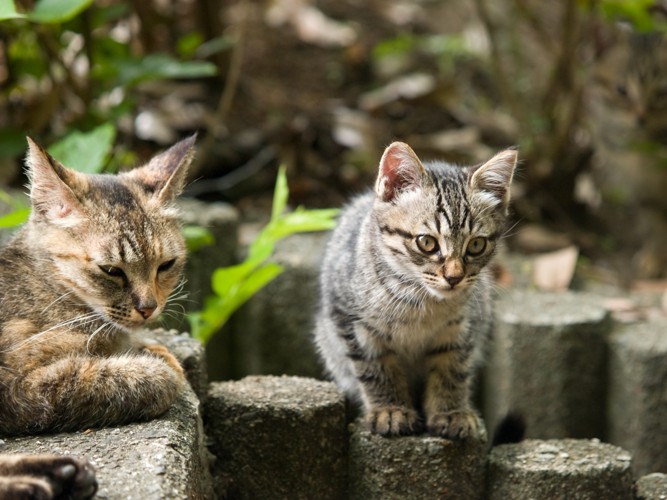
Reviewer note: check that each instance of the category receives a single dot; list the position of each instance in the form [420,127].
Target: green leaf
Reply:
[280,195]
[197,237]
[15,218]
[158,66]
[57,11]
[8,11]
[85,151]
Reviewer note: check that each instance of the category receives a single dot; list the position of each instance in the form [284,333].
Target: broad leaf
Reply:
[158,66]
[15,218]
[85,151]
[8,10]
[57,11]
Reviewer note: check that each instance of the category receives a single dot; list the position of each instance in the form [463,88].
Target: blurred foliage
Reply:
[234,285]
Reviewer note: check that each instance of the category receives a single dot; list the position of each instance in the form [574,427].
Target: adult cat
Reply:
[96,261]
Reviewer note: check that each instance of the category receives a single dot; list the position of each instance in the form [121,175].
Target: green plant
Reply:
[234,285]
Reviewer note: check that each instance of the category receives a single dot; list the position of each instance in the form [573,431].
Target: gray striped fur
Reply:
[402,330]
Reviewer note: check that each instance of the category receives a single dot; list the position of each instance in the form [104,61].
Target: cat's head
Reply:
[112,241]
[440,223]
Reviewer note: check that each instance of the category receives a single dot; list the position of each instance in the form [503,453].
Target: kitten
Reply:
[96,261]
[405,283]
[46,477]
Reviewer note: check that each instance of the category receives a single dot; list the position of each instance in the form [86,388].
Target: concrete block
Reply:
[163,458]
[637,402]
[222,220]
[548,363]
[277,323]
[652,487]
[559,469]
[414,467]
[277,437]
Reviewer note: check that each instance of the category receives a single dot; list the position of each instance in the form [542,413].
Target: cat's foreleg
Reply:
[447,406]
[79,392]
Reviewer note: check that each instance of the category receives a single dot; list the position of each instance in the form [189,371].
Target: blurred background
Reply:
[322,86]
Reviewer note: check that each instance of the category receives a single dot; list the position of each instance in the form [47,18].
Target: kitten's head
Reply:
[114,241]
[440,223]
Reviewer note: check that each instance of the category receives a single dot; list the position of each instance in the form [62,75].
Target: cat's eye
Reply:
[165,266]
[427,244]
[476,246]
[116,272]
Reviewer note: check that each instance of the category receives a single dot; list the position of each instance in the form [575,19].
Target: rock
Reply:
[547,363]
[559,469]
[276,324]
[652,487]
[636,403]
[163,458]
[277,437]
[414,467]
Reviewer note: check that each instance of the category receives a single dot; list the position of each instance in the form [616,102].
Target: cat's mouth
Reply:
[446,291]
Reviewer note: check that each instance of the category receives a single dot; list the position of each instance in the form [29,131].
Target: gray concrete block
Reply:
[222,220]
[652,487]
[277,437]
[559,470]
[414,467]
[277,323]
[637,402]
[547,362]
[163,458]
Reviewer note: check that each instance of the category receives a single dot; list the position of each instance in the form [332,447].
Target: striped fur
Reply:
[98,259]
[405,291]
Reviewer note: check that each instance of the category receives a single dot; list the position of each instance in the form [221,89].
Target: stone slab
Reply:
[163,458]
[652,487]
[637,402]
[559,469]
[277,323]
[547,362]
[414,467]
[277,437]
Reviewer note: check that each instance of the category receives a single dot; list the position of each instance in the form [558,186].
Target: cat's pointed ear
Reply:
[53,187]
[494,177]
[400,170]
[165,174]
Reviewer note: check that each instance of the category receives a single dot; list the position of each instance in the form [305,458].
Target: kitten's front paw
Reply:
[457,424]
[67,477]
[392,421]
[161,351]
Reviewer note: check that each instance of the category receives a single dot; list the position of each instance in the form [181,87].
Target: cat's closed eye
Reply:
[113,271]
[165,266]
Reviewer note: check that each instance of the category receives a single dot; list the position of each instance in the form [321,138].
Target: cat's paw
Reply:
[162,352]
[392,421]
[457,424]
[58,476]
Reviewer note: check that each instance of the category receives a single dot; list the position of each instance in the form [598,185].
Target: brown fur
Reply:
[97,260]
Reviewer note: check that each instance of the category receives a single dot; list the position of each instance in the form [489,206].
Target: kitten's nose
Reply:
[454,280]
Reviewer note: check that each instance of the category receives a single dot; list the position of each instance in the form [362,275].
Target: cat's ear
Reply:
[400,170]
[53,187]
[165,174]
[494,177]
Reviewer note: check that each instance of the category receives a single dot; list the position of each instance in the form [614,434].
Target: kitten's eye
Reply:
[427,244]
[476,246]
[165,266]
[116,272]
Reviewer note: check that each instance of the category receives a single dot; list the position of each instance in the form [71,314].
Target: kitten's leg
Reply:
[447,394]
[80,392]
[384,390]
[46,476]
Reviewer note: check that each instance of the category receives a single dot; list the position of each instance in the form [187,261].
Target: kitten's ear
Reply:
[494,177]
[400,170]
[164,175]
[53,187]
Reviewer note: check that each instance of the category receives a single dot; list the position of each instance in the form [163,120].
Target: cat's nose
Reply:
[454,280]
[146,310]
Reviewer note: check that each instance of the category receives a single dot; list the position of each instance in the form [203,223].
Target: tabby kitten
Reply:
[405,306]
[96,261]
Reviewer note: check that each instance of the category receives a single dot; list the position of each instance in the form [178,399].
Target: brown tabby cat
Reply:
[96,261]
